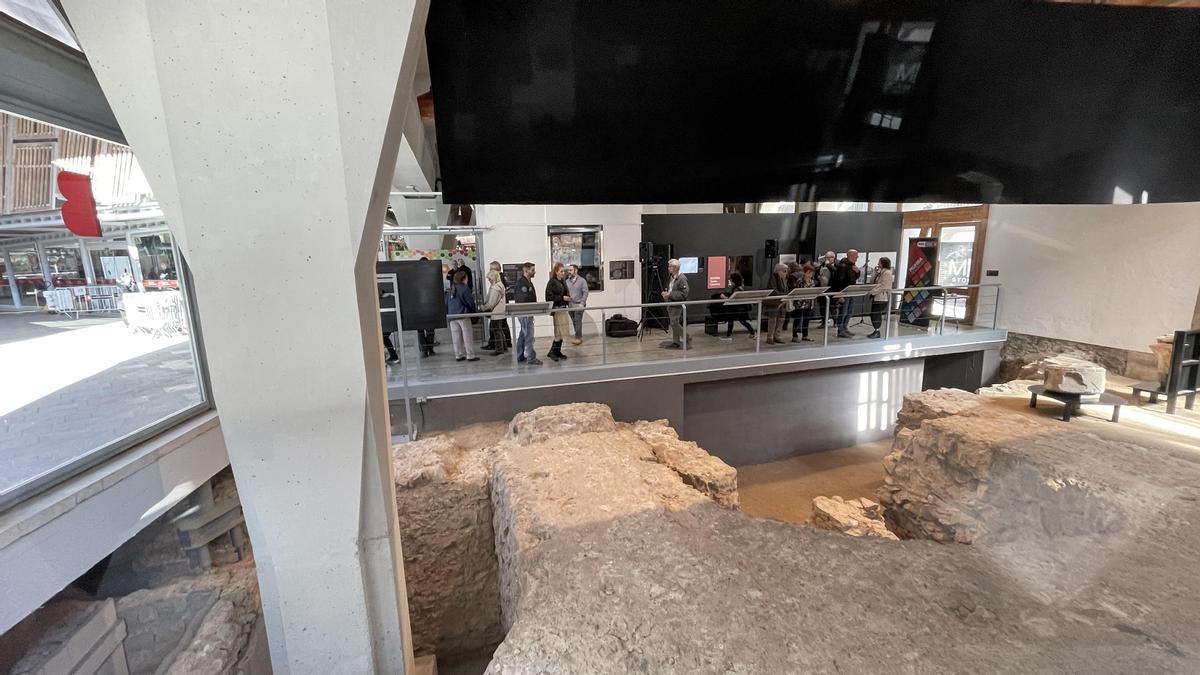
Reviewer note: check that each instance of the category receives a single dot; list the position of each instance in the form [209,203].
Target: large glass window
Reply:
[91,373]
[66,266]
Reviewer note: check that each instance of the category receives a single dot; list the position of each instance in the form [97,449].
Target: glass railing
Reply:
[518,341]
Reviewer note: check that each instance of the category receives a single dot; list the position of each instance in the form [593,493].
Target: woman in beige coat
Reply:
[494,303]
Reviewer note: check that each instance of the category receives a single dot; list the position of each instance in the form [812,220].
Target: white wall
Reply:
[1116,276]
[518,234]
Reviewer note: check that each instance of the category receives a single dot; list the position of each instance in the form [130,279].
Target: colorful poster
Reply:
[717,272]
[922,271]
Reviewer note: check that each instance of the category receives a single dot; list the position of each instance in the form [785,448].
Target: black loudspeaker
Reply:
[772,248]
[644,251]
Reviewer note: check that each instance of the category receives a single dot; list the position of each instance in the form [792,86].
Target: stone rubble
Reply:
[555,421]
[859,517]
[933,404]
[706,473]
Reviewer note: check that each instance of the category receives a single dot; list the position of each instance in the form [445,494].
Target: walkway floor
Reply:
[77,385]
[595,351]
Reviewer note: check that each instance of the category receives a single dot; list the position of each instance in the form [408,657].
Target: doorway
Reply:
[961,233]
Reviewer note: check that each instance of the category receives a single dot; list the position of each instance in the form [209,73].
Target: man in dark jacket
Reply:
[844,274]
[559,296]
[525,292]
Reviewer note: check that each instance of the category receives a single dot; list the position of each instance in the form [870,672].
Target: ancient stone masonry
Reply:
[1073,376]
[609,563]
[445,512]
[856,517]
[699,469]
[932,404]
[1022,353]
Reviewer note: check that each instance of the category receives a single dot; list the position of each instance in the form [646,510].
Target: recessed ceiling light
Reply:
[411,187]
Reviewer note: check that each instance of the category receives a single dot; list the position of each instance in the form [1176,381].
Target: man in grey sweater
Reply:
[577,288]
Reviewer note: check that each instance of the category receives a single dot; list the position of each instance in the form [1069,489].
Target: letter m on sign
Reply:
[79,211]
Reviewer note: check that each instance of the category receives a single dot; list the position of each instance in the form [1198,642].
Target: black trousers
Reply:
[877,309]
[500,335]
[800,318]
[425,340]
[391,350]
[742,320]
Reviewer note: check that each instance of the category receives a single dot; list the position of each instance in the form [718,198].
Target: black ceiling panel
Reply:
[566,101]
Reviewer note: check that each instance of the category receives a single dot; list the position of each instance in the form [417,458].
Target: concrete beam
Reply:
[275,127]
[50,82]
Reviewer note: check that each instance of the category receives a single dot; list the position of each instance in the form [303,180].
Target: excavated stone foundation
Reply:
[615,556]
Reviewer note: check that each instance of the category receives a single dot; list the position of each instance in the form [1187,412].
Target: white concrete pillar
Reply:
[135,261]
[89,272]
[269,131]
[13,286]
[43,263]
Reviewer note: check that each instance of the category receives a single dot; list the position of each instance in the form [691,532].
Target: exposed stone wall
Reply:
[445,513]
[1021,350]
[611,564]
[203,625]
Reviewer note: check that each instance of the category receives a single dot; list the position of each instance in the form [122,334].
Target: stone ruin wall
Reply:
[456,509]
[613,553]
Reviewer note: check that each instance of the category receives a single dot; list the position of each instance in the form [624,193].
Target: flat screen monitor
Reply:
[689,265]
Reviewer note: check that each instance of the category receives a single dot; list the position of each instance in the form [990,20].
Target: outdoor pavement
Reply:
[73,386]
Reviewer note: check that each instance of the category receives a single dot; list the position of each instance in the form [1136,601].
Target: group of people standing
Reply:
[835,274]
[567,290]
[827,272]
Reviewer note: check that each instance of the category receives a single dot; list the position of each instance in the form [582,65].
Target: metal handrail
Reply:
[712,301]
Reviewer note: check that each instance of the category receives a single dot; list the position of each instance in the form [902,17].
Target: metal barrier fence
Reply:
[76,300]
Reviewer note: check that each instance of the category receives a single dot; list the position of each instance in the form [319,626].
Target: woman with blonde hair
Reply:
[494,303]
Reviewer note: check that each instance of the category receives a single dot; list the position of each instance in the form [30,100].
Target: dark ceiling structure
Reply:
[568,101]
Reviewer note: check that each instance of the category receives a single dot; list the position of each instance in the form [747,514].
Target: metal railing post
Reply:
[758,328]
[514,325]
[942,318]
[684,331]
[996,310]
[828,302]
[603,337]
[887,321]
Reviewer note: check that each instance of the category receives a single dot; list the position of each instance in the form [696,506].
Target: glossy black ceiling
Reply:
[573,101]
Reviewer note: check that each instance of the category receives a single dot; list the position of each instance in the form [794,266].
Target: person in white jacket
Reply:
[883,279]
[494,303]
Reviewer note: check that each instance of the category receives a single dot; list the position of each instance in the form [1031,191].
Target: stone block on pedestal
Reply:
[1070,375]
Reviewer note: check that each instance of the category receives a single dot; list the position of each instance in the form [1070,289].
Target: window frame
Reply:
[39,483]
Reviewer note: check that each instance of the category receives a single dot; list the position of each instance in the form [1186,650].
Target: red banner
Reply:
[79,211]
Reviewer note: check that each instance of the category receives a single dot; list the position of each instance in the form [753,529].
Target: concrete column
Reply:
[43,263]
[14,288]
[275,126]
[89,272]
[135,261]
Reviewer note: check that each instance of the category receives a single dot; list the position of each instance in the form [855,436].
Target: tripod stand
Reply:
[652,316]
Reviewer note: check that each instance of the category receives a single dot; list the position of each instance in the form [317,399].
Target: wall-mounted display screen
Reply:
[689,265]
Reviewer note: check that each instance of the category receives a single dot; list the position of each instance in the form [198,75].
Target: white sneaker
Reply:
[726,339]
